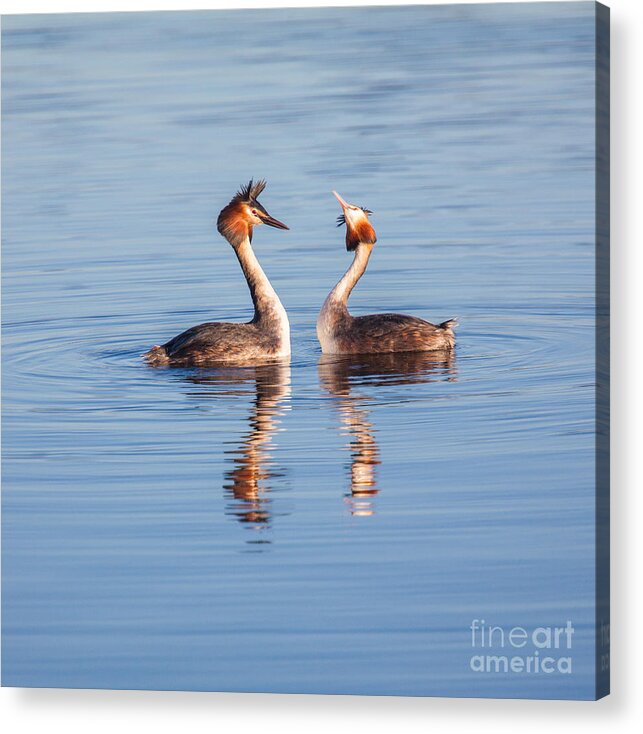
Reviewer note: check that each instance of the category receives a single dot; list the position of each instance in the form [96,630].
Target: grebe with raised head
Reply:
[340,333]
[267,335]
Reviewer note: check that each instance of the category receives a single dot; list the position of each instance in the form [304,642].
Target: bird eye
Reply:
[254,211]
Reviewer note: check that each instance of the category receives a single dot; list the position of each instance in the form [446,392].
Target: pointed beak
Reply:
[271,221]
[341,201]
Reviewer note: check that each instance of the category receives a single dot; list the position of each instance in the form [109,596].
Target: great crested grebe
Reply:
[341,333]
[267,336]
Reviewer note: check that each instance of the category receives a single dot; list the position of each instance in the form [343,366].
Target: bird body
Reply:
[340,333]
[382,333]
[220,342]
[267,336]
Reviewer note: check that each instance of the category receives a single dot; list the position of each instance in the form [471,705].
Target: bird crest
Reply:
[341,219]
[249,193]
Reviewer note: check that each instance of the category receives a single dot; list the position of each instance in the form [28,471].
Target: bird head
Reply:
[358,227]
[244,212]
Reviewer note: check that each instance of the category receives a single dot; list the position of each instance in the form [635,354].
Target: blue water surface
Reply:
[327,525]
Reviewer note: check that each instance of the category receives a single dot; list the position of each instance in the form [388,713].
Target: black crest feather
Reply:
[250,191]
[341,219]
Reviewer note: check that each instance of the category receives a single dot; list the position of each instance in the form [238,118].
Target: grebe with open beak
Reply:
[341,333]
[267,336]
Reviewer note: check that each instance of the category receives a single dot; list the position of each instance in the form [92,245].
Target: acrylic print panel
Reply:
[398,524]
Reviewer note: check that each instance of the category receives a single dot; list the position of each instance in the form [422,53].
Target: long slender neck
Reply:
[266,302]
[340,293]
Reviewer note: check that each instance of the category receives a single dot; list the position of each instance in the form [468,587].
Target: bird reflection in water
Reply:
[249,481]
[344,377]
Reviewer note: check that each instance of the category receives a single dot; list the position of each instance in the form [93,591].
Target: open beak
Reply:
[271,221]
[341,201]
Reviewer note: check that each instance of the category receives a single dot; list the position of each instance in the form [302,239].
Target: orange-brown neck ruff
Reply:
[233,225]
[362,231]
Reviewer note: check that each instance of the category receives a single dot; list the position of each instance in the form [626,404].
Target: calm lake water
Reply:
[326,525]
